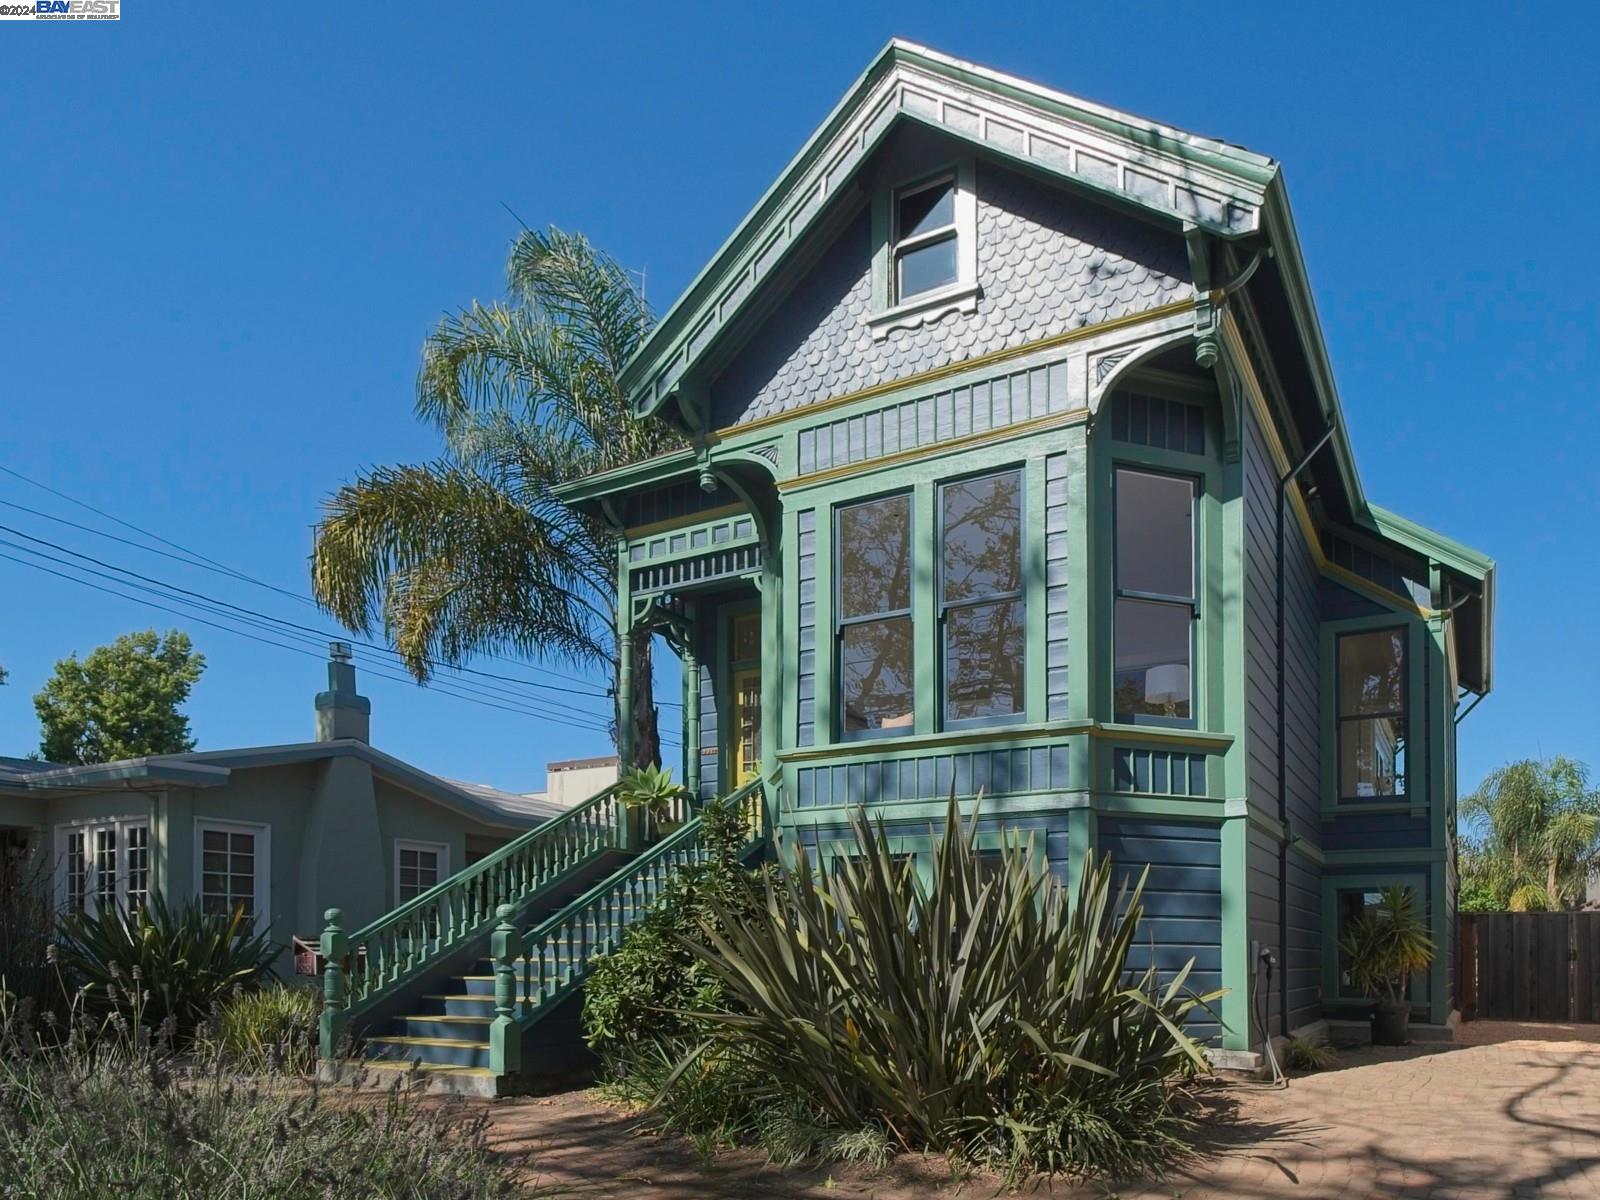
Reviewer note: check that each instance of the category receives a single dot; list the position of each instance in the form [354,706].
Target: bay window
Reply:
[1371,671]
[981,599]
[873,617]
[1156,601]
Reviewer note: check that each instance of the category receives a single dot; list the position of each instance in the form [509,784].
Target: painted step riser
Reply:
[444,1056]
[466,1031]
[485,987]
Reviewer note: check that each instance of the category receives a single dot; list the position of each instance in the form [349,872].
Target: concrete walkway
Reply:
[1509,1111]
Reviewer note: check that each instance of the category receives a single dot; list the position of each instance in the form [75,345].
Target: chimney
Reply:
[340,712]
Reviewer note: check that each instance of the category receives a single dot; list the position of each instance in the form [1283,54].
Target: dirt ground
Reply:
[1509,1111]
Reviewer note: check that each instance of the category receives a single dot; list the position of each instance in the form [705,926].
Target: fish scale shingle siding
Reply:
[1048,262]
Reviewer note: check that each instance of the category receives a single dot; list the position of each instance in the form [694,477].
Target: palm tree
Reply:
[1532,835]
[472,552]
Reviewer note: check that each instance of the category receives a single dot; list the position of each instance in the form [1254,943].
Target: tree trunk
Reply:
[1552,884]
[646,731]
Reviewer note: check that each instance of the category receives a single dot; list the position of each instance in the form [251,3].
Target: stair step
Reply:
[447,1026]
[443,1052]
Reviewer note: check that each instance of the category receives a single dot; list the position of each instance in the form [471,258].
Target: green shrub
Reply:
[273,1029]
[978,1014]
[97,1110]
[174,964]
[1309,1054]
[634,997]
[27,928]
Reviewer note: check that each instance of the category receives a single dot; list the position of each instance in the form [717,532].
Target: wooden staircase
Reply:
[493,1010]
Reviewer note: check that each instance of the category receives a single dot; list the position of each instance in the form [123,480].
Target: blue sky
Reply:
[226,232]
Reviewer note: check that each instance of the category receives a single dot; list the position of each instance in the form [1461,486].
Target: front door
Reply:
[745,671]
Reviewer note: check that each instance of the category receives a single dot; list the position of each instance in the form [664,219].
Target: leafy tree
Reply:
[1532,836]
[472,552]
[121,701]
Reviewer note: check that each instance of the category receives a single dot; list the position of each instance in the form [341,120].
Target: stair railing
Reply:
[538,969]
[363,966]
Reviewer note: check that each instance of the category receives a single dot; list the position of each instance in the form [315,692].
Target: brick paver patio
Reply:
[1509,1111]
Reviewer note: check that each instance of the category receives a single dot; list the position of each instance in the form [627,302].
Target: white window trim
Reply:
[442,849]
[960,296]
[87,826]
[263,836]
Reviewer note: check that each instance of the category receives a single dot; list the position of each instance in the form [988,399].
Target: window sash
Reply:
[231,869]
[902,244]
[843,623]
[1189,602]
[1357,716]
[976,599]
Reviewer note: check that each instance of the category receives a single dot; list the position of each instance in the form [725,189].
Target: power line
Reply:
[250,612]
[441,689]
[203,562]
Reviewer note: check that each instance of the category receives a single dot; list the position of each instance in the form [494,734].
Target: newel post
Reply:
[506,946]
[335,986]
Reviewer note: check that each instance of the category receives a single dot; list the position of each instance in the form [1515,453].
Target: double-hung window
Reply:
[1156,606]
[1372,714]
[926,252]
[104,865]
[981,605]
[872,603]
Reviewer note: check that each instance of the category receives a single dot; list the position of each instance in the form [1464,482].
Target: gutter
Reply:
[1286,837]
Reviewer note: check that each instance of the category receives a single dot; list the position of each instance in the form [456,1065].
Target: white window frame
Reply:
[442,849]
[263,855]
[889,312]
[88,827]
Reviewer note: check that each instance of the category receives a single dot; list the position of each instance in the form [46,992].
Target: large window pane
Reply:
[875,557]
[982,529]
[1372,717]
[875,675]
[1372,672]
[983,660]
[1153,645]
[1371,758]
[1155,534]
[927,209]
[926,267]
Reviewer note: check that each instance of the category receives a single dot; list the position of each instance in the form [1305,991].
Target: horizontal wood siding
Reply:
[1356,830]
[1047,831]
[710,730]
[1306,941]
[1261,862]
[1182,898]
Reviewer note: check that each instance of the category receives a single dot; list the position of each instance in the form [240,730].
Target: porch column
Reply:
[624,661]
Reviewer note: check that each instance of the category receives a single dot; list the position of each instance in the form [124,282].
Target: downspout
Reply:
[1284,833]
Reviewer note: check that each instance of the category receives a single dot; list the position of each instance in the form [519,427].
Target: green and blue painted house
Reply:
[1016,467]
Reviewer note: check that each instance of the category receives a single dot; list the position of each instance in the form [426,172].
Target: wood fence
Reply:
[1529,966]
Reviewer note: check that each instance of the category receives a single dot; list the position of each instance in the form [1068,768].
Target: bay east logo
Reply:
[63,10]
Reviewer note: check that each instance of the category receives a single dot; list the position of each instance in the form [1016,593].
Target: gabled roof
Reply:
[213,768]
[1171,174]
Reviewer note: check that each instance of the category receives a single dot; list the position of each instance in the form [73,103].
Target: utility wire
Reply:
[196,559]
[442,689]
[239,608]
[189,615]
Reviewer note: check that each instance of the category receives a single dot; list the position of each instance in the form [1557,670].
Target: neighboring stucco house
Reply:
[286,832]
[1015,468]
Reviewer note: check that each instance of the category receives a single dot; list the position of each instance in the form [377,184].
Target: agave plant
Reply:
[978,1011]
[651,790]
[168,962]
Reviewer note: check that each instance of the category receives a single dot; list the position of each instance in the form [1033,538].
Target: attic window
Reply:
[925,249]
[926,238]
